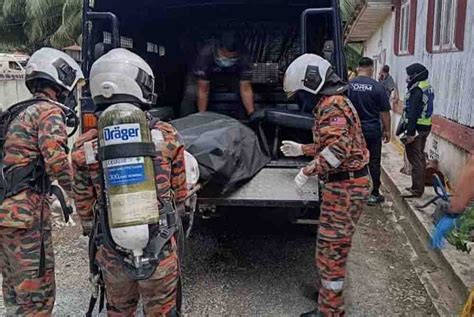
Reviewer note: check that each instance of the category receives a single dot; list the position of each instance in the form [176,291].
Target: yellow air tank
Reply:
[126,154]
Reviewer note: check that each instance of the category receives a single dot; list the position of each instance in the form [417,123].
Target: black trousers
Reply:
[374,145]
[416,156]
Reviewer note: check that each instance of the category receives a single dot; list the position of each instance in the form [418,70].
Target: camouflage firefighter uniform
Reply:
[38,133]
[159,292]
[339,147]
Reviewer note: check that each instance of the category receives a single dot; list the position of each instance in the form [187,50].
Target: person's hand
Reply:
[291,149]
[301,179]
[409,139]
[94,285]
[443,208]
[393,99]
[386,137]
[70,202]
[455,211]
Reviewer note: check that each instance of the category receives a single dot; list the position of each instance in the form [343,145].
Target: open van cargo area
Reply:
[169,34]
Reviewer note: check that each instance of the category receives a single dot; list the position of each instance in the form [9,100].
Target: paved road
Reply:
[247,265]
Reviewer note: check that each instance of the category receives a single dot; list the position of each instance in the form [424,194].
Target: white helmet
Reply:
[308,72]
[122,76]
[54,66]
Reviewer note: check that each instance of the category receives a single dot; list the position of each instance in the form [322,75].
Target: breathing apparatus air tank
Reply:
[126,154]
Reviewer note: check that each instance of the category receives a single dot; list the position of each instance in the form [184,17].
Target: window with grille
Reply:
[152,48]
[107,38]
[162,51]
[126,42]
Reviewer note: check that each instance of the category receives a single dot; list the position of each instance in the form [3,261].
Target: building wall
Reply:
[379,46]
[13,91]
[451,74]
[450,157]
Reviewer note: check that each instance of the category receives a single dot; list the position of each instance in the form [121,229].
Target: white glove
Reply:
[301,179]
[94,285]
[290,148]
[57,213]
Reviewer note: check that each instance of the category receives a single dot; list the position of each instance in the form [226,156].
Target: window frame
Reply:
[437,19]
[16,66]
[442,46]
[405,27]
[106,37]
[152,47]
[456,28]
[126,42]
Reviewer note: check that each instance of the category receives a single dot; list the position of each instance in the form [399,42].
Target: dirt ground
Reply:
[247,265]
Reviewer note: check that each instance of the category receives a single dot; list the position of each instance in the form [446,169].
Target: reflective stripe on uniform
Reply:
[424,84]
[330,157]
[335,286]
[423,121]
[425,118]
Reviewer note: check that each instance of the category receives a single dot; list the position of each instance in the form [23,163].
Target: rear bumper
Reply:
[271,187]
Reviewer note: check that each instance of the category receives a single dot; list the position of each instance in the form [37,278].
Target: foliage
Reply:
[348,8]
[30,24]
[354,52]
[464,232]
[70,29]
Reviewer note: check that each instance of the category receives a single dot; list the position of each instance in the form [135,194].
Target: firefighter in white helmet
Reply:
[340,157]
[34,151]
[122,84]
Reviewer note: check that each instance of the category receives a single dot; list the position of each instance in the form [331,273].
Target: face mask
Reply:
[415,77]
[306,100]
[69,100]
[225,62]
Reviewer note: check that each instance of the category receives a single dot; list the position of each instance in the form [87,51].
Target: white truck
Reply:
[12,77]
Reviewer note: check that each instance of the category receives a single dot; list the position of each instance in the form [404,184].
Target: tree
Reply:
[30,24]
[354,51]
[71,27]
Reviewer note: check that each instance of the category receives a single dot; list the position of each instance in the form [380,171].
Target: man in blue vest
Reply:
[417,115]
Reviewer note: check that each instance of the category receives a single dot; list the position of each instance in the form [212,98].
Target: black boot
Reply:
[313,313]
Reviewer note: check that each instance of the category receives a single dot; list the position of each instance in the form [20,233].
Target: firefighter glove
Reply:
[301,179]
[292,149]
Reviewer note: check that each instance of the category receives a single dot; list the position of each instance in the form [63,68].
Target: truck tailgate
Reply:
[271,187]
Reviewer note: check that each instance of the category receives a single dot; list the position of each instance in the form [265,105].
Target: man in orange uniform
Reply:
[35,151]
[341,158]
[117,77]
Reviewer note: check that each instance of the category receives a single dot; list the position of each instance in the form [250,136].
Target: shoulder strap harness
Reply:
[160,235]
